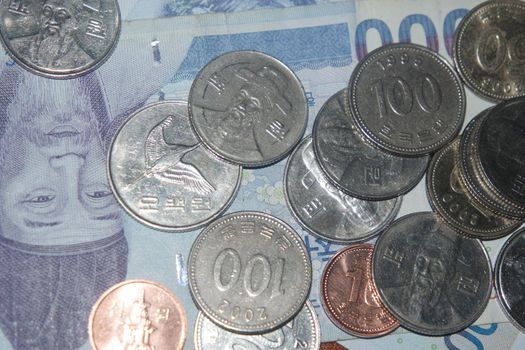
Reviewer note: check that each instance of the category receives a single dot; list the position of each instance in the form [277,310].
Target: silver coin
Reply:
[59,38]
[447,196]
[161,174]
[510,279]
[249,272]
[473,177]
[324,210]
[501,144]
[433,280]
[248,108]
[489,49]
[302,332]
[355,166]
[406,99]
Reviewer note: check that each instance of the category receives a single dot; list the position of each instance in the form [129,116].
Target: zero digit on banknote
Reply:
[59,38]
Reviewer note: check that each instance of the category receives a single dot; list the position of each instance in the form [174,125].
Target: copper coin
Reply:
[349,296]
[137,315]
[332,346]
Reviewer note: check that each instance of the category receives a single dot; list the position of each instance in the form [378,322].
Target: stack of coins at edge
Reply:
[420,105]
[475,184]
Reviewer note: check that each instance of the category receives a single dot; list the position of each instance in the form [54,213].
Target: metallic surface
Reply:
[353,164]
[326,211]
[501,150]
[510,279]
[58,38]
[249,272]
[406,99]
[162,175]
[137,314]
[473,177]
[489,49]
[447,196]
[248,108]
[302,332]
[349,296]
[433,280]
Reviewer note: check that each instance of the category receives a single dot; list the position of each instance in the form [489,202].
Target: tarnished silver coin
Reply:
[248,108]
[510,279]
[59,38]
[447,196]
[355,166]
[479,189]
[302,332]
[489,49]
[501,150]
[249,272]
[163,176]
[406,99]
[433,280]
[324,210]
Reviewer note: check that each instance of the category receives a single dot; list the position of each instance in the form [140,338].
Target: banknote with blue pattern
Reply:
[63,238]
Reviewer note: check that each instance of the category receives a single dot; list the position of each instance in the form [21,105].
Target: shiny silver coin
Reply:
[489,49]
[352,164]
[248,108]
[249,272]
[479,188]
[406,99]
[433,280]
[302,332]
[501,150]
[510,279]
[161,174]
[59,38]
[447,196]
[324,210]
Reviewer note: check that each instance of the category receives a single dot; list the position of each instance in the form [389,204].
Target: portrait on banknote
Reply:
[61,236]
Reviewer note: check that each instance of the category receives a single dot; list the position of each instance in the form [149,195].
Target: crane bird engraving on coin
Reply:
[164,161]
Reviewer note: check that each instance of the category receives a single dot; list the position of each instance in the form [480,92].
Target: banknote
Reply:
[144,9]
[64,239]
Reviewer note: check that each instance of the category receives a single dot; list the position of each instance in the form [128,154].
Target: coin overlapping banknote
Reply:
[334,174]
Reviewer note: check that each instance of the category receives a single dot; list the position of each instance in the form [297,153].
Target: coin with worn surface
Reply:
[249,272]
[489,49]
[326,211]
[501,149]
[354,165]
[248,108]
[447,196]
[406,99]
[302,332]
[163,176]
[349,297]
[59,38]
[510,278]
[433,280]
[137,314]
[479,189]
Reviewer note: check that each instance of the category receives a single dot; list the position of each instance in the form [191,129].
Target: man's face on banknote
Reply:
[53,188]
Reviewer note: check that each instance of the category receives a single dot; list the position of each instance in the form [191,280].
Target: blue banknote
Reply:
[167,8]
[63,238]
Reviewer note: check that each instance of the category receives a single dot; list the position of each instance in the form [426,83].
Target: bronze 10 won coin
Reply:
[137,315]
[349,296]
